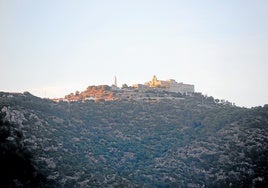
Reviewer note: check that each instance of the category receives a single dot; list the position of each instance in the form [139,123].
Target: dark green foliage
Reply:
[190,142]
[17,169]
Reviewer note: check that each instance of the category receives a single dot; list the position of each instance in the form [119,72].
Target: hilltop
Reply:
[153,90]
[177,141]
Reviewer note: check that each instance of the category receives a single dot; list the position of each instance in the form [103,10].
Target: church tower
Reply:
[115,81]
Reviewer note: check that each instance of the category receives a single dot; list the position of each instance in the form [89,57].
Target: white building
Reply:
[181,87]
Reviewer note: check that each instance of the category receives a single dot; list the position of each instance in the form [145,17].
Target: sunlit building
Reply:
[170,85]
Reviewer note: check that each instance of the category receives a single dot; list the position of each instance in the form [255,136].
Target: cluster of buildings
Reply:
[152,90]
[168,85]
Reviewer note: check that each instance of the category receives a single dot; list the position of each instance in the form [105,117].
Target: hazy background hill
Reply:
[194,142]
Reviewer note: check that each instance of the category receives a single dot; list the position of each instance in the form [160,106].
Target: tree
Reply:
[124,86]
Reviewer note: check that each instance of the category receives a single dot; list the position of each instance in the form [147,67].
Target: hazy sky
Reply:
[52,48]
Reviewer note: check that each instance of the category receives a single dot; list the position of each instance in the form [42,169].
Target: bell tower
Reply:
[115,81]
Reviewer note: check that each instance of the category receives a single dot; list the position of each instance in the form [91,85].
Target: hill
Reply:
[181,141]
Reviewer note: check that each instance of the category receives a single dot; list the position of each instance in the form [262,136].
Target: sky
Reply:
[51,48]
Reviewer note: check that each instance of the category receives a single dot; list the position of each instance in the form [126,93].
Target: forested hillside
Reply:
[192,142]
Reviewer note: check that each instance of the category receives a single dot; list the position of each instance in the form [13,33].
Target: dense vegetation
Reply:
[192,142]
[17,167]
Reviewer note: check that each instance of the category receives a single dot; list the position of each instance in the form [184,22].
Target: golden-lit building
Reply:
[157,83]
[170,85]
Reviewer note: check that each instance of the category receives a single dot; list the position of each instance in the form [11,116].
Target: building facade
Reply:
[170,85]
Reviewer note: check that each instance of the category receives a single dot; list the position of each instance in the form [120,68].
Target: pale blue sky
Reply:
[51,47]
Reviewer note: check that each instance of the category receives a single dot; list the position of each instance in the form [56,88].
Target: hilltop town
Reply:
[153,90]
